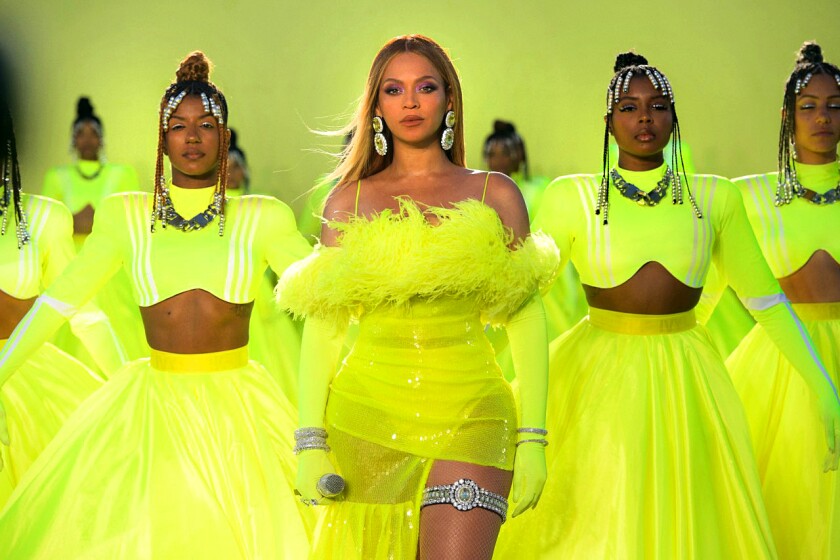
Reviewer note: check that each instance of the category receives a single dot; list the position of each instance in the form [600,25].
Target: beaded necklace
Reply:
[92,176]
[830,196]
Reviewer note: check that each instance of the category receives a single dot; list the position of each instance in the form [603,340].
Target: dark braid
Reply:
[809,62]
[192,78]
[629,65]
[10,177]
[504,133]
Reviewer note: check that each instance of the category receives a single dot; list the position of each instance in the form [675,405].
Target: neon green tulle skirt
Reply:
[419,385]
[180,456]
[38,399]
[803,503]
[649,454]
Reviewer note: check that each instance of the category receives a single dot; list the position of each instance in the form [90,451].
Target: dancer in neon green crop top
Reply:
[419,419]
[35,245]
[652,457]
[799,237]
[186,455]
[82,187]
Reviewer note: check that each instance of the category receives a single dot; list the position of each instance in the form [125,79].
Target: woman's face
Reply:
[192,144]
[86,141]
[412,100]
[503,158]
[641,123]
[817,120]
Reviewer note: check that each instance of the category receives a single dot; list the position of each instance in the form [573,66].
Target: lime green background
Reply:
[290,68]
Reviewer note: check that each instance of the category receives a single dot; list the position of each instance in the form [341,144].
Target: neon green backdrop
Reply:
[288,67]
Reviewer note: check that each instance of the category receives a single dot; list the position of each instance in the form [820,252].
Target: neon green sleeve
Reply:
[739,257]
[556,216]
[78,282]
[284,243]
[529,349]
[52,185]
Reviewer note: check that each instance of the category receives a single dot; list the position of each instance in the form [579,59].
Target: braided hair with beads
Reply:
[627,65]
[809,62]
[10,198]
[192,78]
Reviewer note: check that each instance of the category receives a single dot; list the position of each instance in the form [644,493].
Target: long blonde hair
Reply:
[359,159]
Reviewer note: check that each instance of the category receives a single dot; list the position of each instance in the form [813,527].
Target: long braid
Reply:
[11,180]
[809,62]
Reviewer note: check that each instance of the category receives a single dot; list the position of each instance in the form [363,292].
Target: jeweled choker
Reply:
[631,191]
[199,221]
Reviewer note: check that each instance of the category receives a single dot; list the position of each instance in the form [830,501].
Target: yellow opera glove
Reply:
[526,332]
[319,352]
[34,329]
[791,337]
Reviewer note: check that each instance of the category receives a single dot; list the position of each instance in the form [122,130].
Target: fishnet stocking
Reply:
[449,534]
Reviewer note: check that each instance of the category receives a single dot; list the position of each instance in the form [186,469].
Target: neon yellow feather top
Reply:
[394,257]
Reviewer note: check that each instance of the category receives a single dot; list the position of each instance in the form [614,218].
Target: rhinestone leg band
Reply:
[464,495]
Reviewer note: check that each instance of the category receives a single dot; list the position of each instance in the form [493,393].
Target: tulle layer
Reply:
[38,399]
[394,257]
[650,455]
[803,503]
[186,456]
[426,383]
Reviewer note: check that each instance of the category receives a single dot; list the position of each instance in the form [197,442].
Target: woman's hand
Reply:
[529,474]
[830,414]
[312,465]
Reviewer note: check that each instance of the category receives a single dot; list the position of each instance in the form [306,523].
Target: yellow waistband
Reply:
[3,342]
[631,323]
[199,363]
[817,311]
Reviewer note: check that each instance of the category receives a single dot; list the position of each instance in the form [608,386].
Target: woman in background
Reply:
[795,215]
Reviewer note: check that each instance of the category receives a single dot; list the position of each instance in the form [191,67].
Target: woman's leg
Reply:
[452,534]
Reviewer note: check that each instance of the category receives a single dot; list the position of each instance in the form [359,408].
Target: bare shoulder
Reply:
[503,195]
[340,204]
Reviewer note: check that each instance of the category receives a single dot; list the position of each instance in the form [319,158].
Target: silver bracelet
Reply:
[464,495]
[306,446]
[538,431]
[543,442]
[301,433]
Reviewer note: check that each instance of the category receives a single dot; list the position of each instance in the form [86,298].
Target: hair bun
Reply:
[84,108]
[234,141]
[625,59]
[503,127]
[809,53]
[194,68]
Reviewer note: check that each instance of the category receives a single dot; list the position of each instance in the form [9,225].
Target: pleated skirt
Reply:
[803,502]
[649,454]
[180,456]
[38,398]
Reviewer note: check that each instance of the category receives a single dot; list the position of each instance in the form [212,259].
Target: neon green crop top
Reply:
[67,184]
[25,272]
[789,235]
[259,232]
[669,234]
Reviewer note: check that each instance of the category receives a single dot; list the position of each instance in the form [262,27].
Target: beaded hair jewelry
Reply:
[626,67]
[809,62]
[11,200]
[192,79]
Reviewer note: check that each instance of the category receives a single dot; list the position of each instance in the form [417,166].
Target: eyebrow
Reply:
[420,79]
[182,118]
[815,97]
